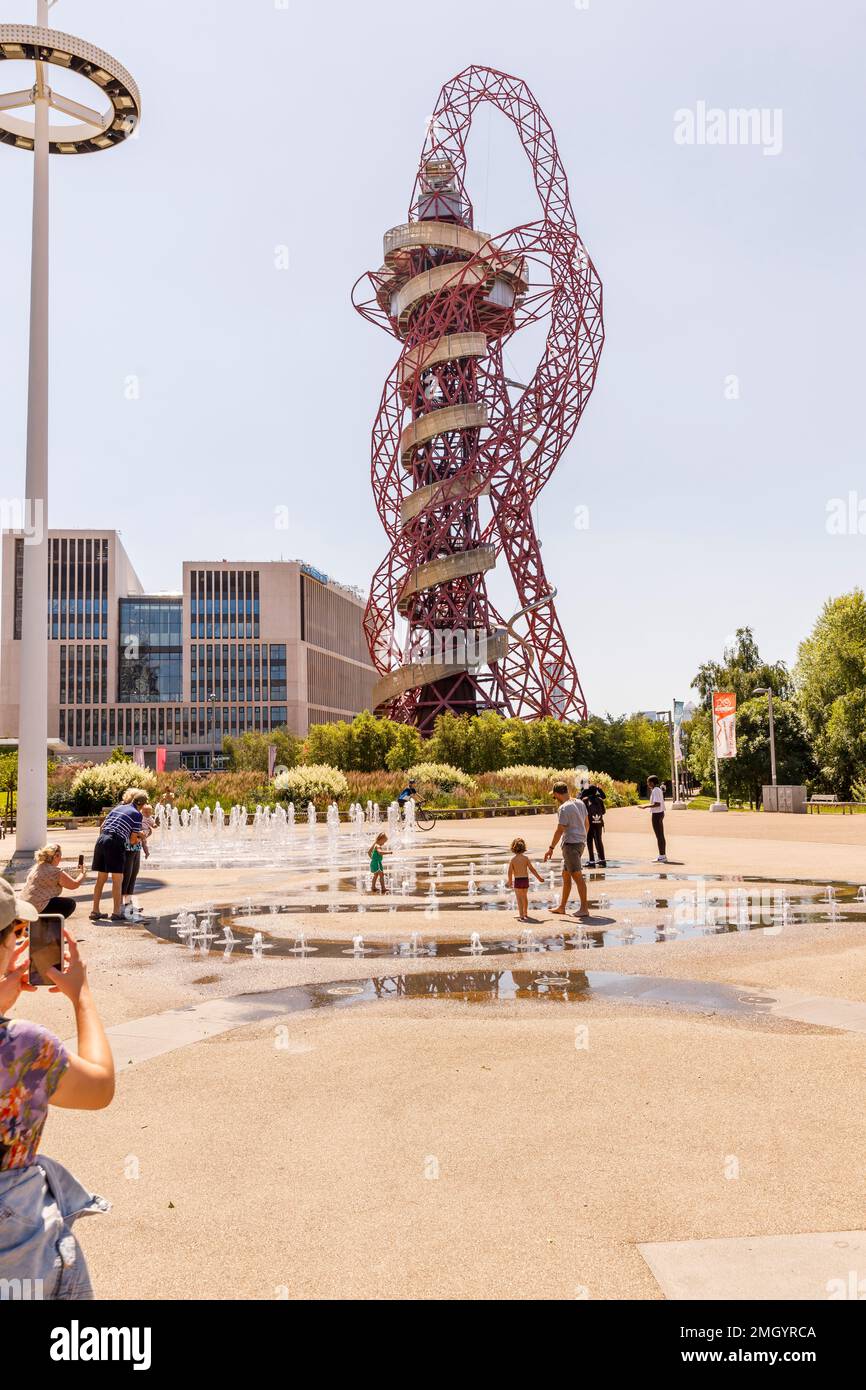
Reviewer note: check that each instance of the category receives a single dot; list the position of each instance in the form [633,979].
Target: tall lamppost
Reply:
[765,690]
[212,699]
[668,718]
[91,131]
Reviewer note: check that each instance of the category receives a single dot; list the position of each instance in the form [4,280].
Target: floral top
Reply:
[32,1062]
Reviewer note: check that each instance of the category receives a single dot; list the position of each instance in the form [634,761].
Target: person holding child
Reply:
[132,862]
[519,869]
[120,831]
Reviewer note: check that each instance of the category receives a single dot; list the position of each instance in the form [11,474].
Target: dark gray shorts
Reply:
[571,857]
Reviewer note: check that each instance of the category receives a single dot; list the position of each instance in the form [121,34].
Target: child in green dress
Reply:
[376,866]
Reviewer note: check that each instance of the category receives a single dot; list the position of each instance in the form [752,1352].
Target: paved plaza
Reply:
[643,1108]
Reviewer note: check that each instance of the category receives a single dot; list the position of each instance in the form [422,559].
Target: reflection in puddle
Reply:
[373,927]
[297,947]
[563,986]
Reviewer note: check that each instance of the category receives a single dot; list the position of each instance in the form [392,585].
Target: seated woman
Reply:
[46,881]
[39,1199]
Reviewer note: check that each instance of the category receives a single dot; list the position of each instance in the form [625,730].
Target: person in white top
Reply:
[657,815]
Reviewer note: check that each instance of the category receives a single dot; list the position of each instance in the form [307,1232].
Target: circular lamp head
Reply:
[97,129]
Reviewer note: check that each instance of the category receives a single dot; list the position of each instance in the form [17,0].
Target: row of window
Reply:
[83,675]
[255,671]
[224,603]
[77,589]
[108,728]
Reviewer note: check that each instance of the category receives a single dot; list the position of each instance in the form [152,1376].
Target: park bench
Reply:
[822,799]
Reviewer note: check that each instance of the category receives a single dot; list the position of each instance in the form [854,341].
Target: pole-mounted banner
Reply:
[725,723]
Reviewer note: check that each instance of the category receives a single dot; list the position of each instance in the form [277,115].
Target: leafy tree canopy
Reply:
[741,670]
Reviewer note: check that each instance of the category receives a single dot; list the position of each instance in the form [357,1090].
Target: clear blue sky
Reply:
[302,127]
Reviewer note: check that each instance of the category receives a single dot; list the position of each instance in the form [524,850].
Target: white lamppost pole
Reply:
[92,131]
[765,690]
[33,698]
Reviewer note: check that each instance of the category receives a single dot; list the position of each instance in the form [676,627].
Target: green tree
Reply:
[515,743]
[451,741]
[486,733]
[741,670]
[591,742]
[406,750]
[560,743]
[629,747]
[249,751]
[8,779]
[742,777]
[117,755]
[369,740]
[830,676]
[328,743]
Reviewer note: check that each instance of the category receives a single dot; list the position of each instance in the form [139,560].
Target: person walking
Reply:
[571,829]
[657,816]
[593,799]
[46,881]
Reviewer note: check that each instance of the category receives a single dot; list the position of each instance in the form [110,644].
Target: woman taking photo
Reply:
[46,881]
[39,1199]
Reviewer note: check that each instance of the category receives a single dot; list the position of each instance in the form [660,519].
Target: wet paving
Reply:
[219,932]
[453,876]
[562,986]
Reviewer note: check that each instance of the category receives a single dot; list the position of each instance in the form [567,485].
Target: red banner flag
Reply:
[725,723]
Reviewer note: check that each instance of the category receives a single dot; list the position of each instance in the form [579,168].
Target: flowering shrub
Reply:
[525,773]
[538,781]
[105,784]
[442,776]
[314,782]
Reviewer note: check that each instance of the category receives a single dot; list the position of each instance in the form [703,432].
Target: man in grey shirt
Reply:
[571,830]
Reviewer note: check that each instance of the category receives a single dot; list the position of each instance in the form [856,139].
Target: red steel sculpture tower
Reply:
[459,451]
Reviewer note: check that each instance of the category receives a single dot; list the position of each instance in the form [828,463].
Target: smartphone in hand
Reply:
[46,947]
[81,861]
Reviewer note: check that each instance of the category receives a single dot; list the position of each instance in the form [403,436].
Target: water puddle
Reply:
[223,936]
[479,986]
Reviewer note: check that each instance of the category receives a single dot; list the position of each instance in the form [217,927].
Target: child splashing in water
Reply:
[519,869]
[376,865]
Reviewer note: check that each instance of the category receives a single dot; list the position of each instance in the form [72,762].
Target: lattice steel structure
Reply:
[452,429]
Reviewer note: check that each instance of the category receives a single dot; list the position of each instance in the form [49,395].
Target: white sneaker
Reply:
[662,859]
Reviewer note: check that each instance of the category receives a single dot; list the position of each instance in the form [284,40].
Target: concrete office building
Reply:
[243,646]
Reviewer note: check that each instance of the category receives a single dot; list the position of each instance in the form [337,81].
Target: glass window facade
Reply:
[150,650]
[224,604]
[278,671]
